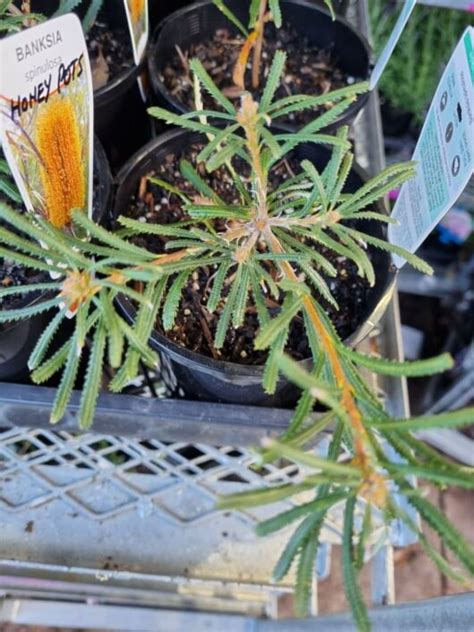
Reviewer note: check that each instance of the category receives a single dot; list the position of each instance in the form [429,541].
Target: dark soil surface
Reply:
[309,70]
[110,52]
[195,326]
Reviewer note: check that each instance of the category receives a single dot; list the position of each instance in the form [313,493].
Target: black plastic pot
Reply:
[201,20]
[120,118]
[17,340]
[196,376]
[160,9]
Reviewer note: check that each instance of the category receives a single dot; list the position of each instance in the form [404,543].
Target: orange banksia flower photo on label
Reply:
[59,143]
[136,8]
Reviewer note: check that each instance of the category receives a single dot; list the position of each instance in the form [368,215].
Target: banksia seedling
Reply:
[87,278]
[264,249]
[62,168]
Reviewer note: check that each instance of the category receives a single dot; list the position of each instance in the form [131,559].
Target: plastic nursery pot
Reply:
[202,378]
[200,21]
[160,10]
[120,118]
[17,340]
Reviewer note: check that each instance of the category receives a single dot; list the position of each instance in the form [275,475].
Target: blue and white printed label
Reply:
[385,55]
[444,153]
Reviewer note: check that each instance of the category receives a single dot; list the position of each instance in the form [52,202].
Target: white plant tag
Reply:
[466,5]
[138,23]
[46,117]
[385,55]
[444,152]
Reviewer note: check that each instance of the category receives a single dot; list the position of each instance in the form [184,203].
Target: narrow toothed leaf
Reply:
[453,539]
[190,174]
[351,585]
[231,16]
[305,573]
[181,121]
[285,518]
[274,77]
[265,496]
[209,85]
[412,259]
[215,143]
[105,236]
[11,315]
[280,323]
[271,370]
[321,195]
[241,297]
[180,229]
[45,339]
[173,298]
[115,336]
[294,545]
[68,379]
[299,102]
[258,295]
[359,549]
[92,383]
[417,368]
[217,287]
[227,311]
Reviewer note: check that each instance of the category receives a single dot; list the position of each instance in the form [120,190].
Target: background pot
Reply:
[200,21]
[158,10]
[197,376]
[17,340]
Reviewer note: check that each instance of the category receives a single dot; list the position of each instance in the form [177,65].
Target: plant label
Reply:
[138,23]
[385,55]
[444,153]
[137,18]
[46,117]
[466,5]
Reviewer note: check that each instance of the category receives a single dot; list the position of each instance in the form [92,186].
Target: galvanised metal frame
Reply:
[124,518]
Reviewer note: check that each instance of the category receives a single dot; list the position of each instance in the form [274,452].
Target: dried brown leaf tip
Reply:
[78,288]
[58,137]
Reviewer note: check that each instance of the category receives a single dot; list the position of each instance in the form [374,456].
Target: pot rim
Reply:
[202,361]
[159,87]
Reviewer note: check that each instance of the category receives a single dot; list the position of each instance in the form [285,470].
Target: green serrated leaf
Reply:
[351,585]
[231,16]
[273,80]
[92,383]
[274,327]
[285,518]
[173,298]
[68,379]
[208,84]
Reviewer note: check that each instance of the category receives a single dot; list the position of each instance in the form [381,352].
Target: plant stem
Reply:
[373,487]
[257,51]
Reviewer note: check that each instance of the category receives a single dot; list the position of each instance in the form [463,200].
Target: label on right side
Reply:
[444,153]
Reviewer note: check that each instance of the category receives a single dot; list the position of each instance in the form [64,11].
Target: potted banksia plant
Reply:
[264,250]
[257,229]
[236,41]
[79,283]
